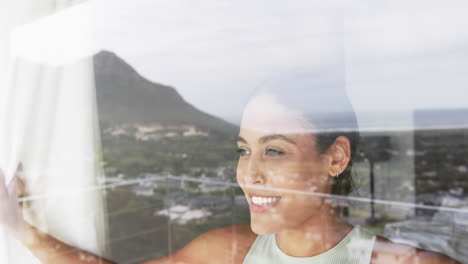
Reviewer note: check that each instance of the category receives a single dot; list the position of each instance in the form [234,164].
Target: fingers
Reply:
[21,187]
[16,190]
[18,182]
[12,188]
[16,185]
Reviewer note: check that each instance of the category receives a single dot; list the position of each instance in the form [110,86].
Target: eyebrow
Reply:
[241,139]
[275,136]
[268,138]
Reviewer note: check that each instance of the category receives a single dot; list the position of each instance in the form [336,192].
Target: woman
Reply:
[296,144]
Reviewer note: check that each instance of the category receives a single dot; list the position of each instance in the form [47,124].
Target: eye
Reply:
[243,151]
[274,152]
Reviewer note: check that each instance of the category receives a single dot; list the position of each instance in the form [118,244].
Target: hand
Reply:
[11,217]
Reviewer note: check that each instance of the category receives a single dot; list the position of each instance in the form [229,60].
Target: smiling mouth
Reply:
[260,204]
[262,200]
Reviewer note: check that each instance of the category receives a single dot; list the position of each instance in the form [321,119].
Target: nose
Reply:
[255,173]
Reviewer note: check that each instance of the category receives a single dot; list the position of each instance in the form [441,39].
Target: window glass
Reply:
[314,128]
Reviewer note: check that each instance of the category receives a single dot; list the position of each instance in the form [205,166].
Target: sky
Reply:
[397,55]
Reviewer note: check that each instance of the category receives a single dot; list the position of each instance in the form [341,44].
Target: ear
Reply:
[340,155]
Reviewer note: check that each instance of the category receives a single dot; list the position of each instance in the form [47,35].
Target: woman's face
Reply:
[279,169]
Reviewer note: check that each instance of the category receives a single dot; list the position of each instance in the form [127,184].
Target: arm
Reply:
[45,247]
[223,245]
[386,251]
[228,244]
[197,251]
[50,250]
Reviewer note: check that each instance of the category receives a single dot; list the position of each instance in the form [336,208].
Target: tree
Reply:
[374,149]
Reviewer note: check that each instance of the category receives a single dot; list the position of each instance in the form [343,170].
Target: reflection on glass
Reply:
[351,148]
[303,184]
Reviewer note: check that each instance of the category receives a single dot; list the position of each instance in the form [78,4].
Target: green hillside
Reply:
[124,96]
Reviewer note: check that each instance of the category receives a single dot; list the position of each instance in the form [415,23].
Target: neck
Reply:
[316,235]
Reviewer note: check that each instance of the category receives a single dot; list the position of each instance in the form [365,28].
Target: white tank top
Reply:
[355,248]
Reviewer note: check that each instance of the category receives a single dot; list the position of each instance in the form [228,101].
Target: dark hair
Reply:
[343,184]
[319,93]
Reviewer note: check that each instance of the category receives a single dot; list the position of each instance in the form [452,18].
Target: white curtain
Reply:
[48,121]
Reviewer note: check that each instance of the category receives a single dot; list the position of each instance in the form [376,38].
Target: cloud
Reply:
[402,27]
[405,55]
[398,55]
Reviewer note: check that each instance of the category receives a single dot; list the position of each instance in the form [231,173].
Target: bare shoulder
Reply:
[386,251]
[228,244]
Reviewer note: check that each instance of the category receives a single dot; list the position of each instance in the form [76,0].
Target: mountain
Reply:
[125,97]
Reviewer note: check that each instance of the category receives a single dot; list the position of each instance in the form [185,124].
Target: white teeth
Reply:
[264,200]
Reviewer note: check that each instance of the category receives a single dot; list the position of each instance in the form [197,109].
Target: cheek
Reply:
[298,176]
[286,178]
[301,183]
